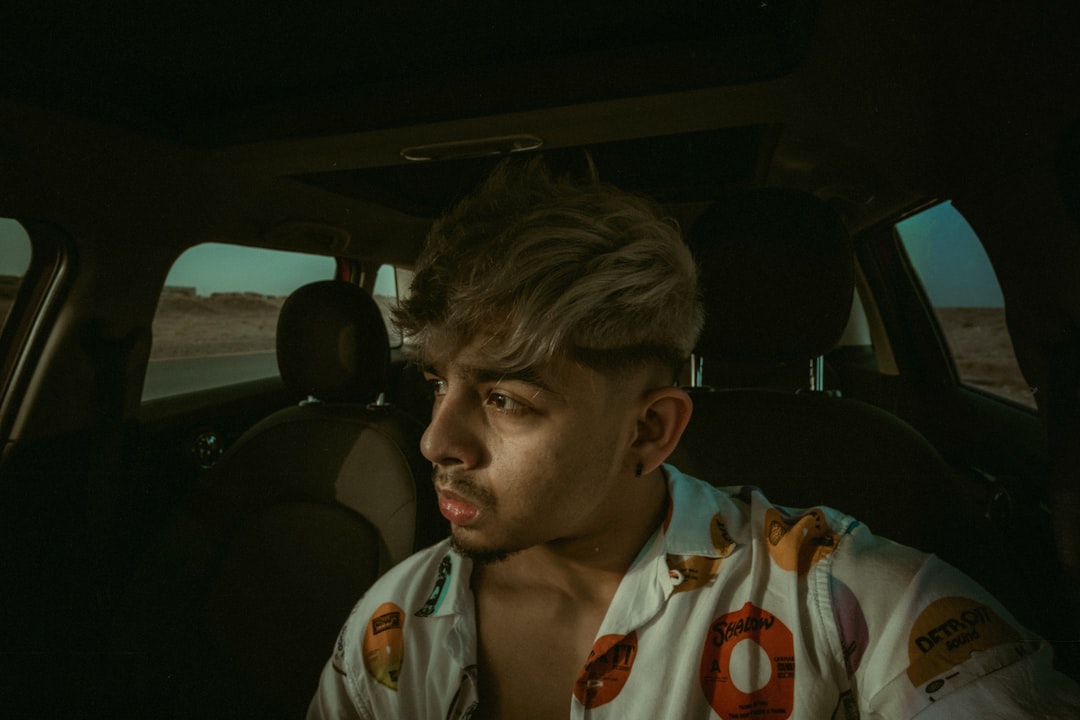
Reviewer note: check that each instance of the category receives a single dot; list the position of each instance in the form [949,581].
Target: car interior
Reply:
[193,553]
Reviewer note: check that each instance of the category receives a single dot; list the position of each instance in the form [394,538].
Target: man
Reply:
[585,578]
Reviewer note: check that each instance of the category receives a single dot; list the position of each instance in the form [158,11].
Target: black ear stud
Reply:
[638,470]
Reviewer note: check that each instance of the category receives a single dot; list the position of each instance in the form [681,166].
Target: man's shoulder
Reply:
[367,668]
[417,587]
[729,521]
[909,628]
[748,516]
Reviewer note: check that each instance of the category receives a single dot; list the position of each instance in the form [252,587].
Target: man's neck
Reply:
[552,598]
[587,568]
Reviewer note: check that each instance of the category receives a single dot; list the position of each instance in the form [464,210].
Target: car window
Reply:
[391,286]
[14,261]
[960,284]
[217,316]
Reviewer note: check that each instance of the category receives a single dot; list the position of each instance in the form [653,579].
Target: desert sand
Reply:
[221,324]
[983,351]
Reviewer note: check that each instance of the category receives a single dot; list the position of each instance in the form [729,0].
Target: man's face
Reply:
[530,458]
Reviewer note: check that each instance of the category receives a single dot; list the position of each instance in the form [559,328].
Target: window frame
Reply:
[984,436]
[946,368]
[33,314]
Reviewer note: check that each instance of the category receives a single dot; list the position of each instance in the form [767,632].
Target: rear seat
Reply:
[240,608]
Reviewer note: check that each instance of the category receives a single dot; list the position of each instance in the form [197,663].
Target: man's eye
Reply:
[438,387]
[505,404]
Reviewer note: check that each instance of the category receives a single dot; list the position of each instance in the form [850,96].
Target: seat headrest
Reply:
[777,275]
[332,343]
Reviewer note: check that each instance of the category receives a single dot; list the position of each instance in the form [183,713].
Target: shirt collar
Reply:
[702,526]
[701,521]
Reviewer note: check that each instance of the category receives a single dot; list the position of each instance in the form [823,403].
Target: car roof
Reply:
[312,106]
[212,74]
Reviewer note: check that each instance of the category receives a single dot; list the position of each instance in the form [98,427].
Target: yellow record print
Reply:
[384,644]
[718,532]
[796,544]
[948,631]
[691,572]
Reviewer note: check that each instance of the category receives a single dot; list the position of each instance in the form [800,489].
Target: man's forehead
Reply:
[479,361]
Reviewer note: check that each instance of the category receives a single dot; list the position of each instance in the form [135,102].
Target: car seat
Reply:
[240,607]
[777,279]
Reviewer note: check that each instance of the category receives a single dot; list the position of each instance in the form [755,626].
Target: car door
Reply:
[951,371]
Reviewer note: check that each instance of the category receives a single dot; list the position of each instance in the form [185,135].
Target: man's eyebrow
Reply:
[481,374]
[527,375]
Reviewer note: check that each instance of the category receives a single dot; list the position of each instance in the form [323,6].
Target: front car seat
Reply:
[777,278]
[240,607]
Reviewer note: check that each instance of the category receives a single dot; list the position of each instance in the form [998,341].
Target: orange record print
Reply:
[797,543]
[607,670]
[384,644]
[748,665]
[947,632]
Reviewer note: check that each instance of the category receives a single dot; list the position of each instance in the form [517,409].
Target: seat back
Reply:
[777,278]
[242,603]
[777,274]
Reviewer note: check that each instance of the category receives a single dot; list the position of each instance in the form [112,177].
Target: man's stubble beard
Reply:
[480,556]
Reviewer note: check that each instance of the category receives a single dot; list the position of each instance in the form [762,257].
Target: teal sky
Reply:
[213,267]
[950,260]
[14,248]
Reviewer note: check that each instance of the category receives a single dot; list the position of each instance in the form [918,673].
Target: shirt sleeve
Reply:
[337,697]
[921,639]
[1029,689]
[332,700]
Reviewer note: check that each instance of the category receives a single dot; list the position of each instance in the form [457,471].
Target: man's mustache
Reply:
[464,486]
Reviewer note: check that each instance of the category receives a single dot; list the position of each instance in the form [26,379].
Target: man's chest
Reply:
[530,656]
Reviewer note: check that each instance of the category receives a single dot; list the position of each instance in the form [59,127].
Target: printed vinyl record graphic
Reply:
[947,632]
[438,592]
[384,644]
[797,543]
[748,665]
[851,623]
[691,572]
[467,698]
[608,669]
[718,533]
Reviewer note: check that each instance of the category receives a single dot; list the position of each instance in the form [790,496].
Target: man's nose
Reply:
[449,439]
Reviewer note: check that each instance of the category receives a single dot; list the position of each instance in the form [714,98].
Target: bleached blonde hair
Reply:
[545,266]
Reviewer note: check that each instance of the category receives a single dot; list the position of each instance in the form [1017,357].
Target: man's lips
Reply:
[456,509]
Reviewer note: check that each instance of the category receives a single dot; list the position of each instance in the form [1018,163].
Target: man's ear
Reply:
[665,414]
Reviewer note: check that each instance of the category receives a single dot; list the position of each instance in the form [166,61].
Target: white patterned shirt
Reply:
[735,608]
